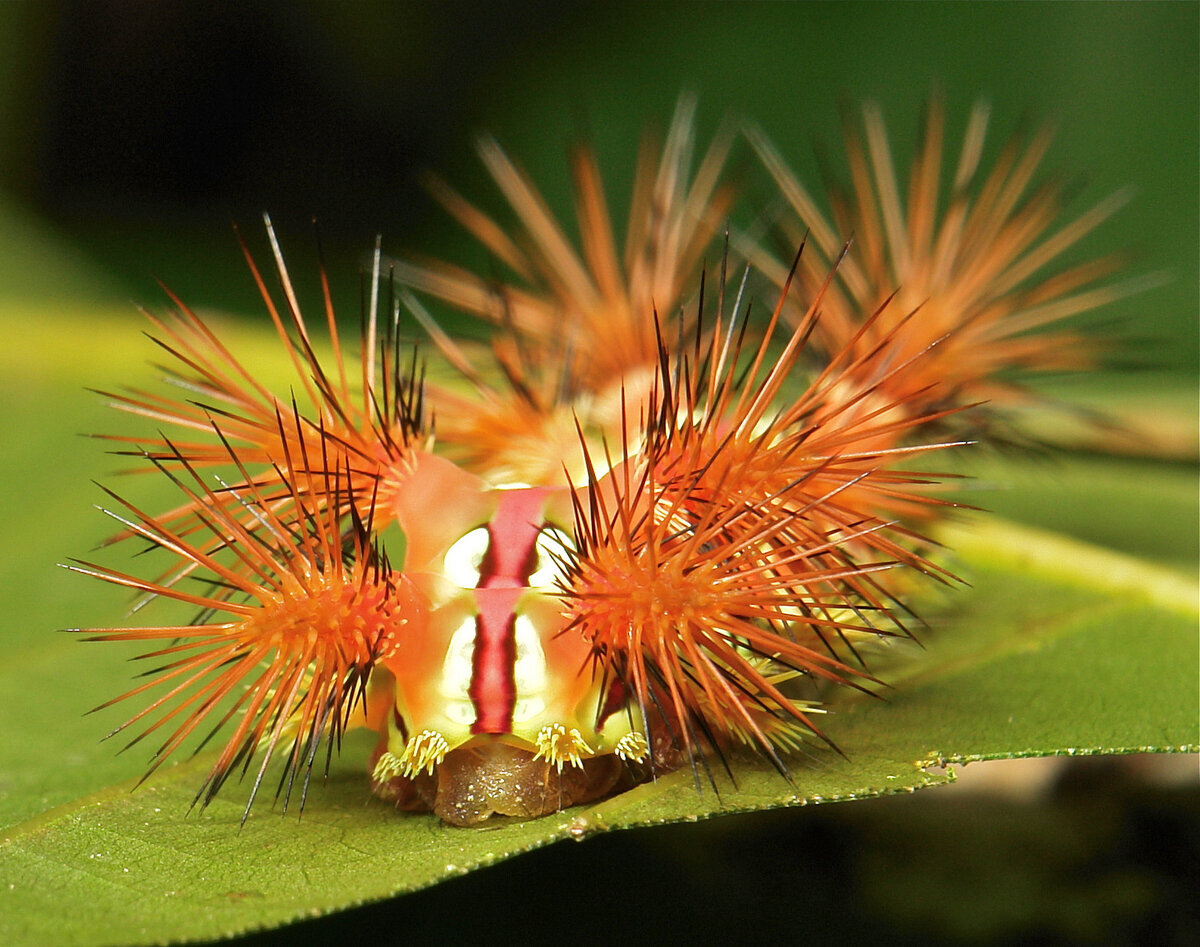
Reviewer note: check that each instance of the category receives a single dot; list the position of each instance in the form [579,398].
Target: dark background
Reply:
[132,134]
[138,131]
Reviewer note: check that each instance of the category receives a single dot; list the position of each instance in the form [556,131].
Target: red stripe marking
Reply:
[504,576]
[513,531]
[493,690]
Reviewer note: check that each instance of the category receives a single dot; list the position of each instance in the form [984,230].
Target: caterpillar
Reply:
[645,531]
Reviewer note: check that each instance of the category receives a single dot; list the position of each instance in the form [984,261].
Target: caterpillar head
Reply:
[496,707]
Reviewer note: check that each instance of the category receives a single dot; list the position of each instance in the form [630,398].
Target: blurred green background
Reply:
[133,134]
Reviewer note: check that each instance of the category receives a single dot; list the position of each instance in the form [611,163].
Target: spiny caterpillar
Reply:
[648,530]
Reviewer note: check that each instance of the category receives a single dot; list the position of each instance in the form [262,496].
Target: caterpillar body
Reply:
[633,542]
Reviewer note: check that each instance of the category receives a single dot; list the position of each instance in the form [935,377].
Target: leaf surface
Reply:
[1055,647]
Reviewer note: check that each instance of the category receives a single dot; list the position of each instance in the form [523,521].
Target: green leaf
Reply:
[1056,647]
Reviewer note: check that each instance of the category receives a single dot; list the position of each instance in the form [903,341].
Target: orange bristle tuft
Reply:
[573,328]
[735,543]
[970,301]
[377,428]
[310,606]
